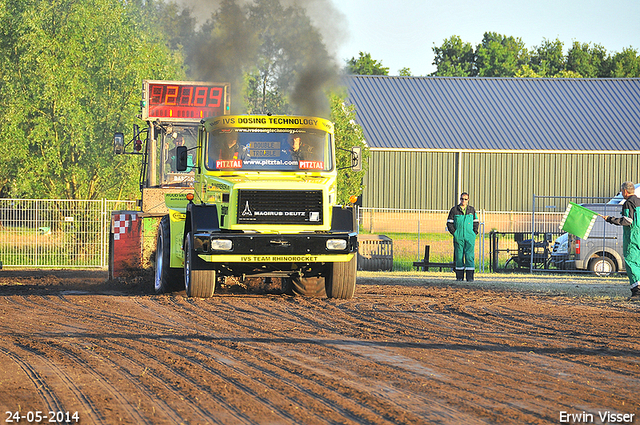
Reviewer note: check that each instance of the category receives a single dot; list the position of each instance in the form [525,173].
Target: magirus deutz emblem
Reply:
[247,210]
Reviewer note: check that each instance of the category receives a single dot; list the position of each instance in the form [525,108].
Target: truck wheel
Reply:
[307,286]
[166,279]
[200,283]
[340,281]
[602,266]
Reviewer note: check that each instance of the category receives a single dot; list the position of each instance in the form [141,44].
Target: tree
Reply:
[567,74]
[348,134]
[625,64]
[525,71]
[548,59]
[72,71]
[404,72]
[178,26]
[365,65]
[454,59]
[500,56]
[586,60]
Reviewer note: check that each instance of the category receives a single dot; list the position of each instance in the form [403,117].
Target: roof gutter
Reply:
[611,152]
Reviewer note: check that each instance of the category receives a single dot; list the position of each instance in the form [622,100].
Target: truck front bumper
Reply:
[275,248]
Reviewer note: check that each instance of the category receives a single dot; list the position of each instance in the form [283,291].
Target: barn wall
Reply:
[497,181]
[402,179]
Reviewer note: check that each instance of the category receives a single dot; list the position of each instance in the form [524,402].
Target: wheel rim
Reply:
[187,264]
[159,263]
[603,267]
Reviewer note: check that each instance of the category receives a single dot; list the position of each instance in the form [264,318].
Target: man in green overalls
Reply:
[631,236]
[463,224]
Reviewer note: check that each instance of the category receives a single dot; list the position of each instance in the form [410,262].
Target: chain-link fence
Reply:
[57,233]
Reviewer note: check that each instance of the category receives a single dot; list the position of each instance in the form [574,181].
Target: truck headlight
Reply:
[336,244]
[221,244]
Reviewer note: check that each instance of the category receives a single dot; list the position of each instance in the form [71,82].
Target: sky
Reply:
[402,33]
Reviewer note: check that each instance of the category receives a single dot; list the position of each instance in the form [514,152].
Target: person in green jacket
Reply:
[463,224]
[630,236]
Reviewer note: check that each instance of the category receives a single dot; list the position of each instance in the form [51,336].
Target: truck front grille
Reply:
[280,207]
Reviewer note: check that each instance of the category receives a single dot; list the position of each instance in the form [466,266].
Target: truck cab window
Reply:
[269,151]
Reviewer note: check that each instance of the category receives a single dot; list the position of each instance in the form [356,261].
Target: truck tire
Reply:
[198,282]
[602,266]
[340,281]
[166,279]
[308,286]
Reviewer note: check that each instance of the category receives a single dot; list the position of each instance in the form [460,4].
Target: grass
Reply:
[29,247]
[409,247]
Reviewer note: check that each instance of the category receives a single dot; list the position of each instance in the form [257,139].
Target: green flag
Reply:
[578,220]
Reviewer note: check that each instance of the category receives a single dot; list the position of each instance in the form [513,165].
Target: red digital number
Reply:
[171,97]
[215,97]
[200,99]
[155,95]
[185,96]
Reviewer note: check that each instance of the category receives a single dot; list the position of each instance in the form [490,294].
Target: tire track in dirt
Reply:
[86,405]
[111,354]
[252,360]
[184,323]
[45,352]
[96,337]
[459,323]
[193,356]
[395,354]
[535,340]
[47,395]
[294,380]
[495,321]
[249,363]
[392,372]
[278,374]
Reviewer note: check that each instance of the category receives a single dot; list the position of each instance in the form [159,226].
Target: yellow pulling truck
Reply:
[263,206]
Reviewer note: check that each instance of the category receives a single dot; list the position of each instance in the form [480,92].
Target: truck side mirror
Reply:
[181,158]
[356,158]
[118,143]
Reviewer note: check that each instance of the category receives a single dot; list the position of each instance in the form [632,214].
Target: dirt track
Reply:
[405,350]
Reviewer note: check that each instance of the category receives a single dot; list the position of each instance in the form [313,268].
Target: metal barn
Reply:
[500,139]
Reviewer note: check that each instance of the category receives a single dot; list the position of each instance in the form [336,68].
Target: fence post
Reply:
[533,229]
[482,235]
[418,252]
[103,227]
[35,216]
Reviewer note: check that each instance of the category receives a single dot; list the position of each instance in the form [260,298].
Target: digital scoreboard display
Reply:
[184,101]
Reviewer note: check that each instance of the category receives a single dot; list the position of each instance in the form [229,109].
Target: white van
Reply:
[601,253]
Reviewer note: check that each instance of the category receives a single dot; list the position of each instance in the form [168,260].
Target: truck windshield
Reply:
[179,135]
[257,150]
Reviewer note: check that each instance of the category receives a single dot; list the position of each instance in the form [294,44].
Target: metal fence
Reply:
[602,243]
[56,233]
[74,233]
[412,229]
